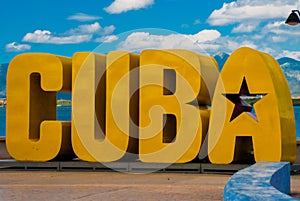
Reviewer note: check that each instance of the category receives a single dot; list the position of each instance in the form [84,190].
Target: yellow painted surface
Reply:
[32,132]
[273,133]
[168,115]
[154,105]
[101,105]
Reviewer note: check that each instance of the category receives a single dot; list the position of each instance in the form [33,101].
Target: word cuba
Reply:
[166,106]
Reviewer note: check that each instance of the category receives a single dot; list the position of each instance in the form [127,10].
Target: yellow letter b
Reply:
[171,90]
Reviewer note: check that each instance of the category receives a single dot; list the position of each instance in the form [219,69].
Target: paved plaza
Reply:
[85,186]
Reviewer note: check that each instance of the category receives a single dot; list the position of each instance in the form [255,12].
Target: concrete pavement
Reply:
[91,186]
[85,186]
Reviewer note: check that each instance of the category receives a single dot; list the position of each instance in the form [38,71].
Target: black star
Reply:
[240,103]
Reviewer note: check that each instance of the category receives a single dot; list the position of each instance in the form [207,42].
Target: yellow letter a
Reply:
[252,104]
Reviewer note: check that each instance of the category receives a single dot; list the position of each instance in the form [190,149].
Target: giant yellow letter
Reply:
[32,133]
[173,99]
[267,122]
[102,106]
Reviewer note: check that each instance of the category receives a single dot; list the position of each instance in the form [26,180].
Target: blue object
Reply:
[261,181]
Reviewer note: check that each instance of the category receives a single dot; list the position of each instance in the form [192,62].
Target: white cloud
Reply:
[45,36]
[270,51]
[82,33]
[258,10]
[94,28]
[231,44]
[244,28]
[280,28]
[278,39]
[15,47]
[120,6]
[291,54]
[86,29]
[257,36]
[261,21]
[206,35]
[202,41]
[107,39]
[82,17]
[108,30]
[275,24]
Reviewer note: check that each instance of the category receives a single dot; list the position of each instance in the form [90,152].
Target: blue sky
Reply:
[67,26]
